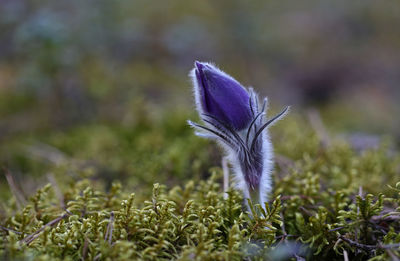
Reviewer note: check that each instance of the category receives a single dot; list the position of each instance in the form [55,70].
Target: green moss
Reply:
[328,200]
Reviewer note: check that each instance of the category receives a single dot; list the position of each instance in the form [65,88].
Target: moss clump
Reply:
[329,201]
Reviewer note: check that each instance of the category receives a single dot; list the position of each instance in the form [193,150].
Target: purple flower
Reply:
[233,116]
[222,96]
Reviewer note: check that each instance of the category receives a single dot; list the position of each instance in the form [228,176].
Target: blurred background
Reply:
[104,83]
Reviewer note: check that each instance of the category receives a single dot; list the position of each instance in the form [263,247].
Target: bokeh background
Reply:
[102,87]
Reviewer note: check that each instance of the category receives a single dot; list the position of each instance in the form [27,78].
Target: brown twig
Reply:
[389,246]
[284,164]
[306,211]
[47,153]
[20,199]
[283,225]
[392,255]
[36,234]
[358,245]
[85,248]
[345,256]
[369,247]
[110,228]
[299,258]
[315,120]
[57,189]
[360,193]
[285,241]
[97,257]
[391,215]
[335,229]
[337,243]
[284,235]
[12,230]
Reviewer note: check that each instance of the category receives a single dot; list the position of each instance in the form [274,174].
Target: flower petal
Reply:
[222,96]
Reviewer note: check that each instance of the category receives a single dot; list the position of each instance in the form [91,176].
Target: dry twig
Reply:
[19,196]
[316,122]
[36,234]
[368,248]
[110,228]
[57,189]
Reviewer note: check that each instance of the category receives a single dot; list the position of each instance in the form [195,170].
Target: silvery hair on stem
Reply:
[234,117]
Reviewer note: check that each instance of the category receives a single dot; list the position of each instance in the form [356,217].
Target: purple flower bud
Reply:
[233,117]
[222,96]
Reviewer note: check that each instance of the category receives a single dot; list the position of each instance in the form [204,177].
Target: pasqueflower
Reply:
[233,116]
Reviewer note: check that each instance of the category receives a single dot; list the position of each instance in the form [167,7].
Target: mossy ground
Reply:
[329,200]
